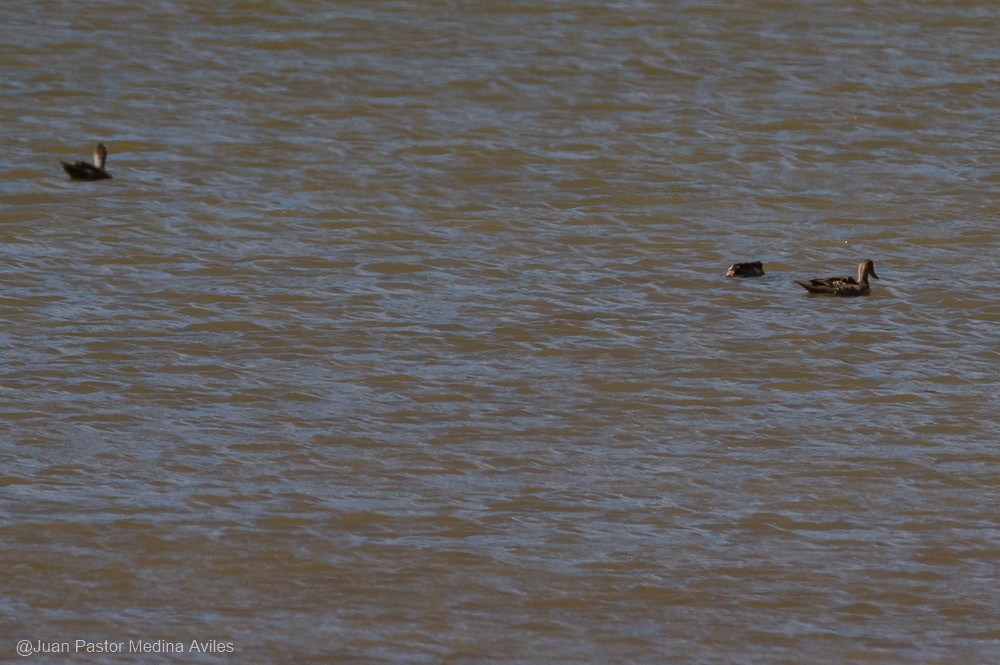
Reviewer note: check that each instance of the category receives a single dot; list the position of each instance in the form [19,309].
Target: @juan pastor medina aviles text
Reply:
[32,647]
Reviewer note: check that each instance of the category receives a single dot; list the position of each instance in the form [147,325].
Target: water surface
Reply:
[401,333]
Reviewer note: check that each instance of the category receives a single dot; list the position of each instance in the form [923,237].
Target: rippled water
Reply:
[401,333]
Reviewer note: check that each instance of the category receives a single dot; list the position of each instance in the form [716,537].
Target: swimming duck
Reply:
[85,171]
[843,286]
[752,269]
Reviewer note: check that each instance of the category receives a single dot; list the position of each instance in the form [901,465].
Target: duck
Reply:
[85,171]
[844,287]
[751,269]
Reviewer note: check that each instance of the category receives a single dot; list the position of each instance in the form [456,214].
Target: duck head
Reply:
[866,267]
[100,155]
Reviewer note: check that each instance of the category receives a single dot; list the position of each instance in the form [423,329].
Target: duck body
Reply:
[751,269]
[85,171]
[844,287]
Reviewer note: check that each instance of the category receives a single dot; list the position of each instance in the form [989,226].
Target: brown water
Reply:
[401,333]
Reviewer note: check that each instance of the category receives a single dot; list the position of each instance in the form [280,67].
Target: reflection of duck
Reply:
[85,171]
[753,269]
[843,286]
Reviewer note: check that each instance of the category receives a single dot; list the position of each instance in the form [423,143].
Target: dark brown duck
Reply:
[85,171]
[751,269]
[844,287]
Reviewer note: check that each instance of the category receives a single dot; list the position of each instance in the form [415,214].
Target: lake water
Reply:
[401,333]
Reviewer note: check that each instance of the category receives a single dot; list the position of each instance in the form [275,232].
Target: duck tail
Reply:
[805,285]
